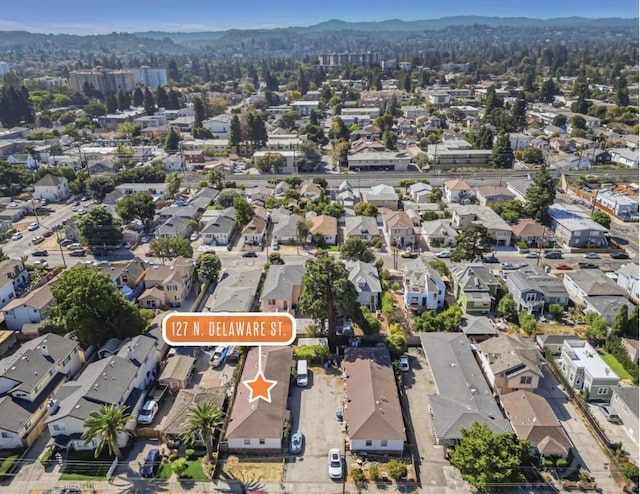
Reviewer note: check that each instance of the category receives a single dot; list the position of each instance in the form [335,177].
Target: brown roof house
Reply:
[372,412]
[254,232]
[398,228]
[492,194]
[530,231]
[257,426]
[33,308]
[325,225]
[533,419]
[510,363]
[168,284]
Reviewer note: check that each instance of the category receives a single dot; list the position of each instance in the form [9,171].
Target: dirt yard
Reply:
[253,472]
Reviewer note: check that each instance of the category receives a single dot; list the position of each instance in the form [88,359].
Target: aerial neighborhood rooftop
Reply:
[453,237]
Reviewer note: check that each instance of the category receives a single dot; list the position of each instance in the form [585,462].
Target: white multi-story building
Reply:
[150,77]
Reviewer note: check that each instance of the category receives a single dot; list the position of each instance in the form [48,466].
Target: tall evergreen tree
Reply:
[199,113]
[235,133]
[172,141]
[112,103]
[502,153]
[149,102]
[519,111]
[162,99]
[622,91]
[174,100]
[547,91]
[124,100]
[540,194]
[138,97]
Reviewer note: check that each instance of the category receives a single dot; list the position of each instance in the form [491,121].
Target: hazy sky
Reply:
[99,16]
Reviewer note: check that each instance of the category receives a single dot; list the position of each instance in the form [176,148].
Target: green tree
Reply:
[451,318]
[303,227]
[149,102]
[201,422]
[621,91]
[244,211]
[532,155]
[487,459]
[328,294]
[170,248]
[124,101]
[540,195]
[91,307]
[482,139]
[199,113]
[519,111]
[98,228]
[508,308]
[139,205]
[472,243]
[527,322]
[559,121]
[356,249]
[547,91]
[173,184]
[235,133]
[556,311]
[275,259]
[366,209]
[138,97]
[428,322]
[162,98]
[172,141]
[440,267]
[620,322]
[634,324]
[112,103]
[396,469]
[339,130]
[396,344]
[501,153]
[208,267]
[270,163]
[106,425]
[597,328]
[601,218]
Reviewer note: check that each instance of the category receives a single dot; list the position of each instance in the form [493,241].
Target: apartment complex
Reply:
[112,81]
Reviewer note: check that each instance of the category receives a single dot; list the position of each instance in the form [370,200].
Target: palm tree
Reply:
[202,420]
[105,425]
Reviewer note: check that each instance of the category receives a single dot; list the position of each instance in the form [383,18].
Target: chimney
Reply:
[44,350]
[52,407]
[131,355]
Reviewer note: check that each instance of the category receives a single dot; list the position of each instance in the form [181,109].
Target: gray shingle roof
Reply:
[363,272]
[629,396]
[281,280]
[360,225]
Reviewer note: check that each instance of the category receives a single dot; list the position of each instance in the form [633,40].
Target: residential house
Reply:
[289,165]
[28,380]
[419,192]
[585,370]
[121,379]
[189,212]
[533,290]
[489,195]
[510,363]
[423,286]
[519,187]
[365,277]
[173,163]
[439,233]
[398,229]
[13,277]
[364,227]
[457,153]
[632,347]
[311,191]
[258,426]
[203,199]
[374,418]
[382,196]
[456,191]
[597,292]
[175,227]
[552,343]
[475,288]
[575,228]
[219,125]
[33,308]
[533,420]
[282,288]
[157,190]
[258,194]
[624,156]
[477,328]
[51,188]
[325,226]
[628,279]
[127,275]
[462,395]
[254,232]
[219,230]
[624,401]
[236,291]
[346,196]
[531,232]
[617,204]
[176,372]
[285,230]
[168,284]
[463,216]
[378,160]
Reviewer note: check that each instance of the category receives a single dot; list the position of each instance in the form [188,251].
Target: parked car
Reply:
[146,239]
[16,236]
[40,253]
[563,267]
[611,415]
[33,226]
[275,246]
[531,255]
[409,254]
[335,464]
[77,253]
[443,255]
[297,440]
[404,363]
[587,265]
[74,246]
[592,255]
[194,236]
[47,234]
[491,260]
[82,211]
[151,463]
[127,245]
[38,239]
[553,255]
[507,265]
[620,255]
[64,242]
[148,412]
[249,254]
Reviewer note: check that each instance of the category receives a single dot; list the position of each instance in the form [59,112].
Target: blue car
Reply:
[151,463]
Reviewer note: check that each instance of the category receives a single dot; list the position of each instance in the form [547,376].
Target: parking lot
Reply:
[616,432]
[313,412]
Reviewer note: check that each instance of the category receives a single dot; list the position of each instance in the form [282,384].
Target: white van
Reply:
[302,374]
[218,356]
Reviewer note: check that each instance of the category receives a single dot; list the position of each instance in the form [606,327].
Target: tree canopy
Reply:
[105,426]
[139,205]
[540,195]
[98,228]
[356,249]
[472,243]
[170,248]
[208,266]
[91,307]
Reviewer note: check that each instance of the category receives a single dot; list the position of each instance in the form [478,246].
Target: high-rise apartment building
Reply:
[105,81]
[147,76]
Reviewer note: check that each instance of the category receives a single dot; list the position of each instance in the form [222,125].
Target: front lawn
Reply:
[616,366]
[164,471]
[8,461]
[84,466]
[193,472]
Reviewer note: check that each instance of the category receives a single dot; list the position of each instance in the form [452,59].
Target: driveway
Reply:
[616,432]
[313,413]
[587,449]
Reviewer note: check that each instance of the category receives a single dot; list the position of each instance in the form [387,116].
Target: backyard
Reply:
[616,366]
[248,471]
[83,465]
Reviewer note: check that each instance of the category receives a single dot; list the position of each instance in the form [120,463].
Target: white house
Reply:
[121,379]
[456,190]
[289,159]
[52,188]
[364,276]
[219,125]
[257,426]
[629,279]
[30,309]
[157,190]
[13,275]
[585,370]
[423,286]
